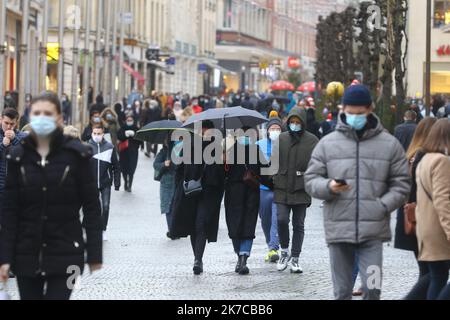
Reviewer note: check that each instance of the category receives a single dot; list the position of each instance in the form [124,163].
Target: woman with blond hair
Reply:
[187,113]
[405,241]
[433,210]
[72,132]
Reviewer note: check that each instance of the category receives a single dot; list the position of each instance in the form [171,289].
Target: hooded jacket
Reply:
[295,152]
[375,167]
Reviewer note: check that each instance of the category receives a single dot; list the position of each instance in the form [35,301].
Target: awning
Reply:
[214,65]
[134,73]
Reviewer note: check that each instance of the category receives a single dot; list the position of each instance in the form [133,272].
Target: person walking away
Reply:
[405,241]
[105,167]
[165,171]
[197,215]
[110,122]
[246,103]
[49,180]
[128,151]
[358,204]
[242,198]
[405,131]
[95,120]
[268,208]
[66,109]
[295,149]
[433,209]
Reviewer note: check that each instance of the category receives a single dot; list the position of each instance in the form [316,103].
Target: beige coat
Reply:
[433,217]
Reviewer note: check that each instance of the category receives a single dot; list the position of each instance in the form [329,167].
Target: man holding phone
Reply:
[362,174]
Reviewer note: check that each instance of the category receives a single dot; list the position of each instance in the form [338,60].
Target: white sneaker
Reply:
[295,266]
[105,237]
[283,262]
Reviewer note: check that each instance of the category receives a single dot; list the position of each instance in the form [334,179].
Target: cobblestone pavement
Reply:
[141,263]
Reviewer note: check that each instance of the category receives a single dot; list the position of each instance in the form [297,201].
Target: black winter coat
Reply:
[402,240]
[241,200]
[206,207]
[42,232]
[129,157]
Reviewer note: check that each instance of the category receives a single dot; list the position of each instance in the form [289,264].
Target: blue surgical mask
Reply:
[295,127]
[177,148]
[244,141]
[356,121]
[43,126]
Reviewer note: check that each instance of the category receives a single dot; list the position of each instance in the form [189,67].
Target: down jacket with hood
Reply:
[375,166]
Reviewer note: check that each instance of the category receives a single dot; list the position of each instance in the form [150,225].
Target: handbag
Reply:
[251,179]
[193,188]
[123,145]
[158,175]
[410,218]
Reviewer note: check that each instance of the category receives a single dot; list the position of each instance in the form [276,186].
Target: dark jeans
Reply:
[44,288]
[438,280]
[105,197]
[198,240]
[420,290]
[298,223]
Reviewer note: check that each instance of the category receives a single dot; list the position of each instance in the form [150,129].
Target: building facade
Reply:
[12,43]
[440,48]
[255,39]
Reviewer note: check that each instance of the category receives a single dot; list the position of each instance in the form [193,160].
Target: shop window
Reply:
[441,13]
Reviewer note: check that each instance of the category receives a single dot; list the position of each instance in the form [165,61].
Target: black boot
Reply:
[198,267]
[238,265]
[244,269]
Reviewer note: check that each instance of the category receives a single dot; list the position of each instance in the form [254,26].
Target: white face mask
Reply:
[97,139]
[274,135]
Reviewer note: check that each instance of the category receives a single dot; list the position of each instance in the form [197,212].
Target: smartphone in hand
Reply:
[342,182]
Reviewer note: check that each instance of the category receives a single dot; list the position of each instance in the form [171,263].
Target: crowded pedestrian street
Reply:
[142,264]
[232,153]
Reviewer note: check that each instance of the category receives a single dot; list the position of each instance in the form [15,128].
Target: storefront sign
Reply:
[443,51]
[52,52]
[294,63]
[202,68]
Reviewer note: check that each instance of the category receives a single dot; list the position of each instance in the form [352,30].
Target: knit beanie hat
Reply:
[357,95]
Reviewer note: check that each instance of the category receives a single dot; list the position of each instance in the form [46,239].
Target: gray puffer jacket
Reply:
[375,167]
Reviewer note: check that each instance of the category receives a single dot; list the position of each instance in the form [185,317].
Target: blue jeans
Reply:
[269,219]
[355,269]
[243,247]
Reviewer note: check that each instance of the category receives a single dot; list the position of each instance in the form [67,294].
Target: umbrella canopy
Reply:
[307,87]
[234,118]
[282,86]
[158,131]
